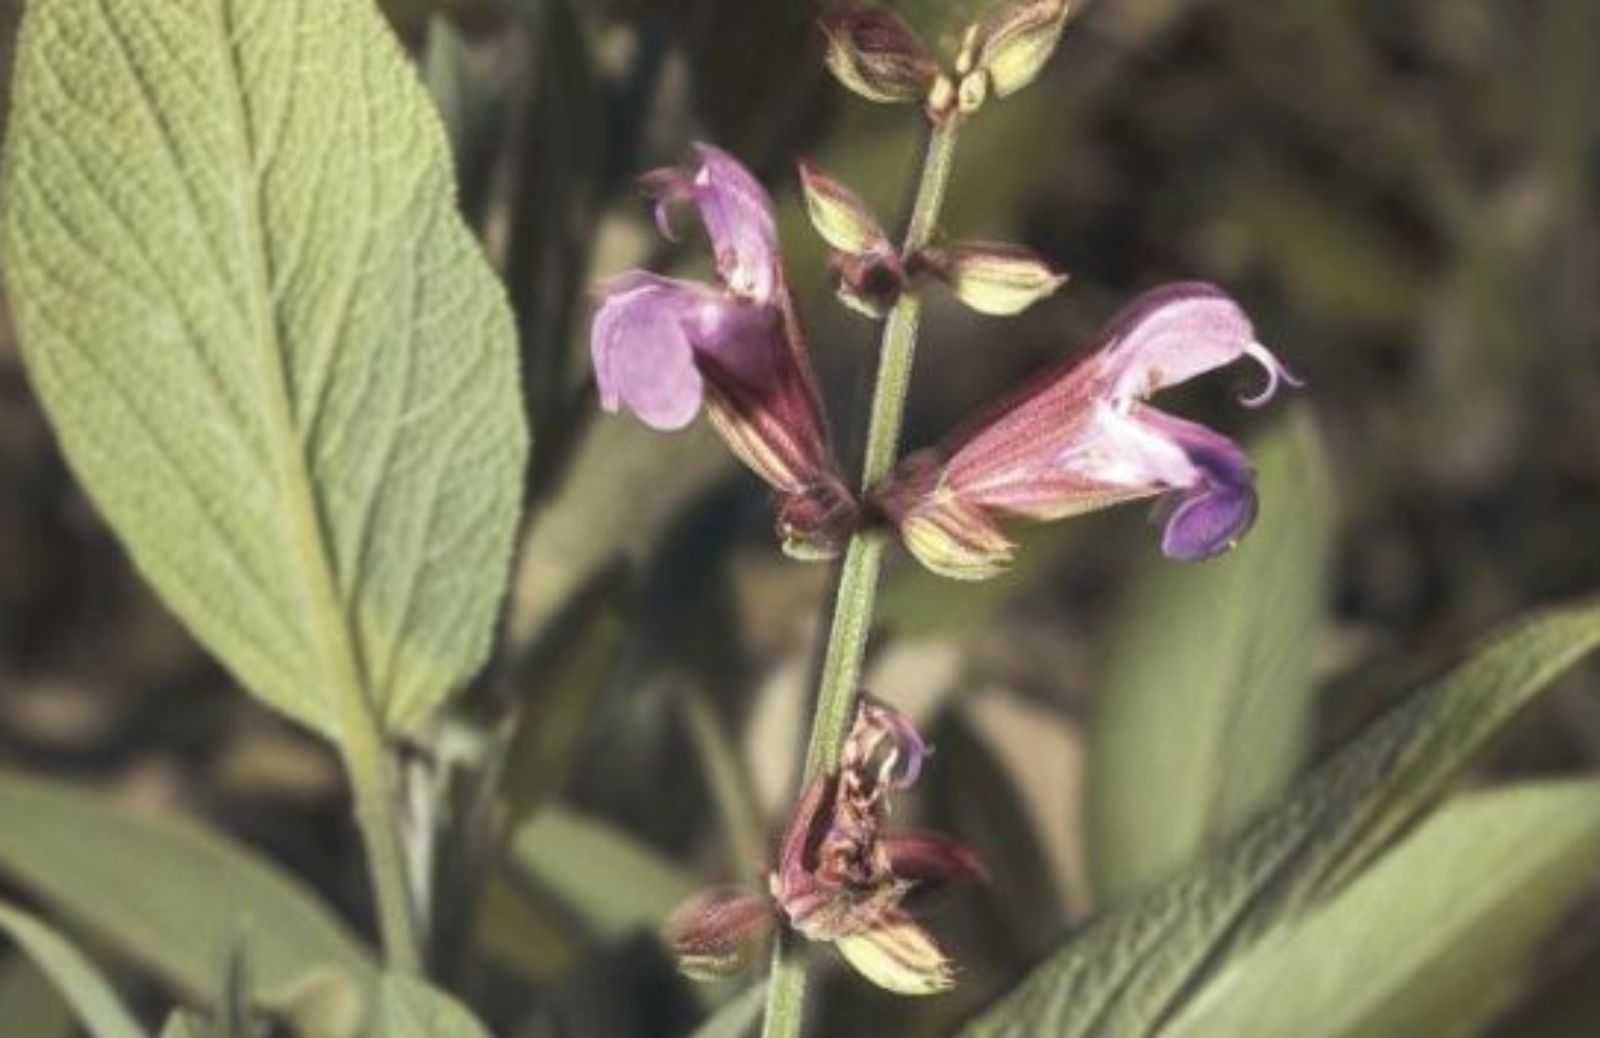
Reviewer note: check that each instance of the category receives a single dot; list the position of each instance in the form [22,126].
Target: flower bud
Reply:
[876,54]
[814,523]
[899,956]
[871,284]
[950,535]
[942,99]
[956,541]
[715,933]
[1018,40]
[993,278]
[972,92]
[839,214]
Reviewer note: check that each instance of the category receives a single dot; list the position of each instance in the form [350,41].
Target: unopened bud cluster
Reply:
[870,273]
[876,54]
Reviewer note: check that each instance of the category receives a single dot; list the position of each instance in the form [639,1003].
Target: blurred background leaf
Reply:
[1434,939]
[171,895]
[1132,968]
[182,1025]
[737,1019]
[87,990]
[610,881]
[30,1001]
[1203,711]
[408,1008]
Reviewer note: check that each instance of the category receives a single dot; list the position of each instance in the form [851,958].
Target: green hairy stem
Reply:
[863,561]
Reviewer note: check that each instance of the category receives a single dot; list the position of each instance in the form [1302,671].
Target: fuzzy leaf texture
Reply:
[1130,971]
[273,353]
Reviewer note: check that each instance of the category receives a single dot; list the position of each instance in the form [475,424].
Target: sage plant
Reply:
[1079,436]
[259,287]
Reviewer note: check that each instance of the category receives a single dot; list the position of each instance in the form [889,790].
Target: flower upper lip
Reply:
[664,347]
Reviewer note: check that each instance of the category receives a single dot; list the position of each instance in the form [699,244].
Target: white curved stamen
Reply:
[1276,373]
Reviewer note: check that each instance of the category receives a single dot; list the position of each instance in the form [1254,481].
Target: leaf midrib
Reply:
[354,712]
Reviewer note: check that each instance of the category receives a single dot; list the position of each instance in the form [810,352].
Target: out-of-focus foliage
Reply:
[170,893]
[410,1009]
[1433,940]
[90,993]
[1137,966]
[1403,193]
[1205,704]
[28,997]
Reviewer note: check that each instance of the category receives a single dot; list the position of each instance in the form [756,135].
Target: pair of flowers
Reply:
[1077,437]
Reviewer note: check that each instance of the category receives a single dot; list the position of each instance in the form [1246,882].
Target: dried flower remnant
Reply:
[662,347]
[1080,437]
[839,878]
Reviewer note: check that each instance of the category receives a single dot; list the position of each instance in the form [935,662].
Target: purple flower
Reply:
[663,347]
[1080,437]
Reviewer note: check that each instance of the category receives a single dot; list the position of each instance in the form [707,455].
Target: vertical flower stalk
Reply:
[863,560]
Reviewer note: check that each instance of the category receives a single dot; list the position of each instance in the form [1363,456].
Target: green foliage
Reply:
[1203,710]
[273,353]
[610,881]
[976,798]
[611,509]
[738,1018]
[173,896]
[90,993]
[1129,972]
[1432,940]
[547,734]
[30,1002]
[182,1025]
[410,1009]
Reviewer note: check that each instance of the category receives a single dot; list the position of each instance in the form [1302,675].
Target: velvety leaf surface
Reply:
[90,994]
[1202,710]
[1452,914]
[170,894]
[273,353]
[1128,972]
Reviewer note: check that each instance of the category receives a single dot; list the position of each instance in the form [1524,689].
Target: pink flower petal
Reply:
[643,360]
[737,213]
[1171,334]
